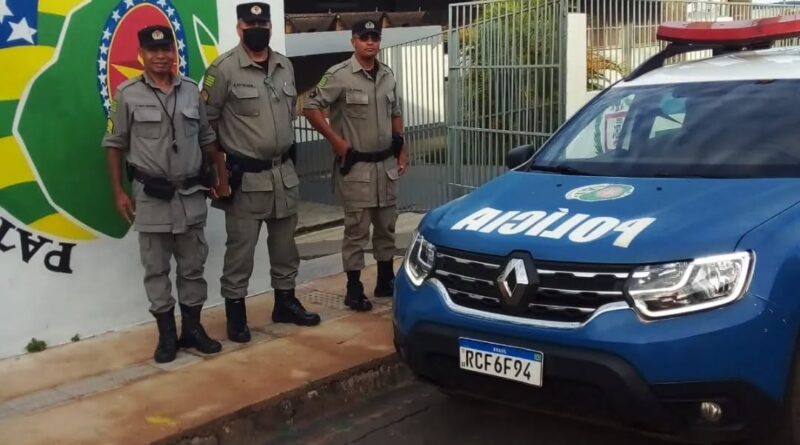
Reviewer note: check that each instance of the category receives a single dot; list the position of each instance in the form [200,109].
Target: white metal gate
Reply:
[505,83]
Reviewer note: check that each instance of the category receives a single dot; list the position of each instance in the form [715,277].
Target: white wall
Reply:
[104,290]
[576,63]
[577,94]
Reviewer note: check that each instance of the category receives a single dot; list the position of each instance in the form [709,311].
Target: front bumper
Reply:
[591,385]
[652,376]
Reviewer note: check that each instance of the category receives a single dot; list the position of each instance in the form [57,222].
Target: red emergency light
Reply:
[740,32]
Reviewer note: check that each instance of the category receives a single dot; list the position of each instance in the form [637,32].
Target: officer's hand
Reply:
[340,147]
[221,191]
[402,162]
[125,206]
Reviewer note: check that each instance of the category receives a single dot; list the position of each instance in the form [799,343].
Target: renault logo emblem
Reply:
[517,281]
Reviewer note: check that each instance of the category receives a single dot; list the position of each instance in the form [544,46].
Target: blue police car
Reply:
[650,276]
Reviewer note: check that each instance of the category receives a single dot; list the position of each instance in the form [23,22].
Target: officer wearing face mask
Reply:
[250,99]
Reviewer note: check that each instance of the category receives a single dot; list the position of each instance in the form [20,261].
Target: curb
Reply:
[302,230]
[249,425]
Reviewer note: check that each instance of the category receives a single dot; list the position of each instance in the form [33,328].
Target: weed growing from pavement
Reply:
[36,345]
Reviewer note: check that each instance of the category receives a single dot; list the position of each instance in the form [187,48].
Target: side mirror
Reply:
[519,155]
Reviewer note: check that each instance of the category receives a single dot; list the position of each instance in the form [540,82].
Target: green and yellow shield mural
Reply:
[63,61]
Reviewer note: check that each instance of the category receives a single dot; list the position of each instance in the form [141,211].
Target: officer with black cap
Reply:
[251,97]
[365,132]
[159,124]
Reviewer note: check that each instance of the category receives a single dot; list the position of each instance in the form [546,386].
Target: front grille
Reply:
[568,292]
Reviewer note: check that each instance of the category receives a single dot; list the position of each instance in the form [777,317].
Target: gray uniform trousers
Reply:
[356,235]
[240,250]
[190,250]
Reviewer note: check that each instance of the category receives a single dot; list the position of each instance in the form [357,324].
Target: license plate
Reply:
[507,362]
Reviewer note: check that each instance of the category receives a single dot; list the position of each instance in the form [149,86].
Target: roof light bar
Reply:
[719,37]
[742,32]
[672,50]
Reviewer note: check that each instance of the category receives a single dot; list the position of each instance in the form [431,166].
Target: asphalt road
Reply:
[419,415]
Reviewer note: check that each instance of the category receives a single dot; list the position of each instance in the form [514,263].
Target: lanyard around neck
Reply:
[172,115]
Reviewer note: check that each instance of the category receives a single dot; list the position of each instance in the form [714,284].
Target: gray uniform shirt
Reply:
[361,110]
[255,112]
[140,126]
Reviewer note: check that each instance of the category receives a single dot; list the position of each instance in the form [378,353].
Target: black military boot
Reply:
[192,333]
[288,309]
[385,285]
[167,347]
[355,298]
[236,312]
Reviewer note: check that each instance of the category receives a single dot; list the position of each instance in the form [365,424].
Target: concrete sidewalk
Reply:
[320,230]
[329,241]
[312,216]
[108,389]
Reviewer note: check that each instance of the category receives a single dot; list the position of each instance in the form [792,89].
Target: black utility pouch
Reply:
[159,188]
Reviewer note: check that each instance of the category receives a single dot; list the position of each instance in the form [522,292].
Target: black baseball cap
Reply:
[253,11]
[366,27]
[155,36]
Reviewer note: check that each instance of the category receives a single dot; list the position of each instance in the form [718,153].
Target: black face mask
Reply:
[257,39]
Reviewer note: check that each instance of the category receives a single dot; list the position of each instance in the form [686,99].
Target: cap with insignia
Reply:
[366,27]
[253,11]
[154,36]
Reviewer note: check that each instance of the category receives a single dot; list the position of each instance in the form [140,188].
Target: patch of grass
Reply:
[36,345]
[75,338]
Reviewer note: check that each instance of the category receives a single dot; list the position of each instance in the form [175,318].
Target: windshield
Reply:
[741,129]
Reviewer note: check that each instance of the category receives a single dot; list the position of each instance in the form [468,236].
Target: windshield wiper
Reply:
[563,169]
[683,175]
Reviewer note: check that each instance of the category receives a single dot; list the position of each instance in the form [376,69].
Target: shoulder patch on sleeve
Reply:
[109,126]
[324,81]
[209,81]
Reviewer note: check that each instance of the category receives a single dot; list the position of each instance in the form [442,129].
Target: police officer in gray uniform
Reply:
[159,123]
[250,96]
[366,135]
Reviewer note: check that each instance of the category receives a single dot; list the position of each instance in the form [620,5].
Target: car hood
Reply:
[608,220]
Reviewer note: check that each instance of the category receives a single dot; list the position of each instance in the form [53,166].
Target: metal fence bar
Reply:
[509,62]
[494,79]
[622,34]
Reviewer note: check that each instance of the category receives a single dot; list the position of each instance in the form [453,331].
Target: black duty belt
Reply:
[239,165]
[353,157]
[181,184]
[163,188]
[376,156]
[252,165]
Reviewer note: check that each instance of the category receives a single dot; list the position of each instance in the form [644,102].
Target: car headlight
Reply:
[420,258]
[666,290]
